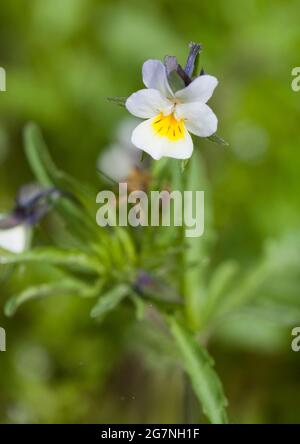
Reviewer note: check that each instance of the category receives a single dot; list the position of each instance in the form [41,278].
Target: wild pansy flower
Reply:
[32,203]
[174,105]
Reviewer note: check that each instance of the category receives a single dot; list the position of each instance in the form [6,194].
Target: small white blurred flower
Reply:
[32,204]
[15,239]
[121,158]
[171,115]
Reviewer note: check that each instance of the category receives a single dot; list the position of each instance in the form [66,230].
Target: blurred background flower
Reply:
[118,160]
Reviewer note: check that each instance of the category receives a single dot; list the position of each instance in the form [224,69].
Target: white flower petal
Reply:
[148,103]
[155,76]
[199,119]
[200,90]
[15,239]
[145,138]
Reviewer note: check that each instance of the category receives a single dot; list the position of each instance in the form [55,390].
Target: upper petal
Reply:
[155,76]
[145,138]
[148,103]
[200,90]
[199,119]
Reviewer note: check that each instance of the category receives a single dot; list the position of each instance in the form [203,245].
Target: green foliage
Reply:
[62,288]
[218,140]
[238,285]
[71,259]
[109,301]
[199,366]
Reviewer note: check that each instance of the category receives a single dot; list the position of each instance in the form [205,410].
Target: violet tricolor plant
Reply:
[154,272]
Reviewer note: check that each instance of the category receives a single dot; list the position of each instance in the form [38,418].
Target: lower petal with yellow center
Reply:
[169,127]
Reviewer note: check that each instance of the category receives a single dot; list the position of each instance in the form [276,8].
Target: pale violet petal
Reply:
[147,103]
[15,239]
[145,138]
[200,90]
[155,76]
[199,119]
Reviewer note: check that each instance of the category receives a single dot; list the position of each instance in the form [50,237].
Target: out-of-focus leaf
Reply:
[221,279]
[217,289]
[37,154]
[63,287]
[45,169]
[217,139]
[120,101]
[139,307]
[109,301]
[73,259]
[249,331]
[199,367]
[184,164]
[197,248]
[127,244]
[48,174]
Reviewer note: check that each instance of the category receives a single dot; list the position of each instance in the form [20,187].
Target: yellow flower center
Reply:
[168,126]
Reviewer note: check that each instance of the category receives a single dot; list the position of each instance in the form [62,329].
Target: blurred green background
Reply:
[62,59]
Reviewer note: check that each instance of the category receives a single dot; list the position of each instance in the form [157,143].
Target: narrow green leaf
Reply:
[48,174]
[217,139]
[109,301]
[120,101]
[37,154]
[197,248]
[218,290]
[184,164]
[139,307]
[199,367]
[73,259]
[64,287]
[144,156]
[127,244]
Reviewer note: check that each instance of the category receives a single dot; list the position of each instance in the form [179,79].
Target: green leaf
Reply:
[120,101]
[64,287]
[45,169]
[48,174]
[127,244]
[109,301]
[37,154]
[73,259]
[218,289]
[197,248]
[140,307]
[184,164]
[199,367]
[217,139]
